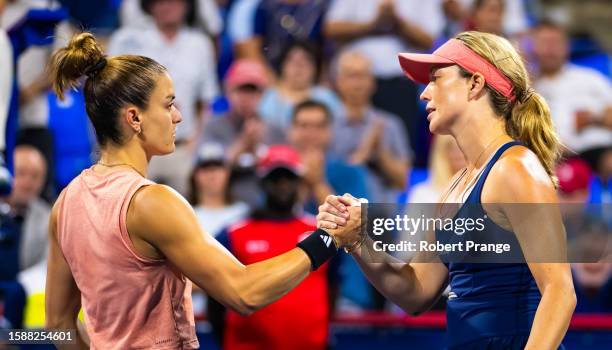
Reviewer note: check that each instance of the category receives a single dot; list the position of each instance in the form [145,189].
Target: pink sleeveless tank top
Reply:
[129,301]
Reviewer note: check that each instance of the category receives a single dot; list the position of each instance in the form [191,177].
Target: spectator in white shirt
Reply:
[580,98]
[205,15]
[380,29]
[189,57]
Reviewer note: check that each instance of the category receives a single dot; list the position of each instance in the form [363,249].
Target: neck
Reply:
[549,73]
[170,31]
[17,207]
[212,200]
[293,91]
[277,212]
[356,111]
[479,135]
[130,154]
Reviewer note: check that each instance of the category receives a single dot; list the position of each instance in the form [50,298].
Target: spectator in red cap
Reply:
[241,131]
[275,227]
[574,178]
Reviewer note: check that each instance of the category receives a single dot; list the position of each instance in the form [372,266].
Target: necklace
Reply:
[465,174]
[120,164]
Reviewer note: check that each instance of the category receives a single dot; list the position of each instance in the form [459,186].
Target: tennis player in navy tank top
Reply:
[479,92]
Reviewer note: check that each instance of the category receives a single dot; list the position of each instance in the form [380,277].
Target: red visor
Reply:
[418,66]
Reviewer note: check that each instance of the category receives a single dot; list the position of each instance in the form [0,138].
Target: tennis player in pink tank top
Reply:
[124,249]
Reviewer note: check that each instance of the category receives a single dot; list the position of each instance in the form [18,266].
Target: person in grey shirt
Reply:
[369,136]
[28,215]
[241,131]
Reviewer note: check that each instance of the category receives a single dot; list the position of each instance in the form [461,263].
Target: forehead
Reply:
[163,86]
[550,31]
[353,63]
[310,114]
[29,156]
[443,69]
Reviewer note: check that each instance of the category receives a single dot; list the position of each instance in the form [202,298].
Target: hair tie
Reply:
[527,94]
[96,68]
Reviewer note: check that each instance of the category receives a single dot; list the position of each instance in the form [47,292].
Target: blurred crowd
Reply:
[283,102]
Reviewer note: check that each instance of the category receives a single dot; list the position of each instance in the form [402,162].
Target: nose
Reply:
[426,94]
[177,117]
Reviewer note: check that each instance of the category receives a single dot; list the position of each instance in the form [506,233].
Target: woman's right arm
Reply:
[162,218]
[414,286]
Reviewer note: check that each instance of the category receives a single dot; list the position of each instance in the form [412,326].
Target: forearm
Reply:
[267,281]
[414,35]
[396,280]
[346,31]
[238,147]
[395,169]
[552,317]
[320,191]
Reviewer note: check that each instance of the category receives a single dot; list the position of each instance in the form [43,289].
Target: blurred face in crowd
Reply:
[355,81]
[169,13]
[30,172]
[605,164]
[212,179]
[592,275]
[576,197]
[281,188]
[311,128]
[244,100]
[446,97]
[488,16]
[551,48]
[298,69]
[158,121]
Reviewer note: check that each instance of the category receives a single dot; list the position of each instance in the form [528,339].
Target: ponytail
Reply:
[80,57]
[530,122]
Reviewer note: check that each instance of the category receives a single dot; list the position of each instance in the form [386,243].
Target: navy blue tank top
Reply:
[488,300]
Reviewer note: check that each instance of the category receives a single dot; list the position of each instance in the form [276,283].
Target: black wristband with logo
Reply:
[319,247]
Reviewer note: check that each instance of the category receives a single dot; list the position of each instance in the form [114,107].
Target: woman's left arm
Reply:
[536,220]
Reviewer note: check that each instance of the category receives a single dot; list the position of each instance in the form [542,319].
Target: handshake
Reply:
[341,217]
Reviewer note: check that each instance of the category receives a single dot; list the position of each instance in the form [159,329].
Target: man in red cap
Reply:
[274,228]
[241,131]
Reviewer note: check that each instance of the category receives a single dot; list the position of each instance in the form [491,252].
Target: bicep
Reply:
[179,237]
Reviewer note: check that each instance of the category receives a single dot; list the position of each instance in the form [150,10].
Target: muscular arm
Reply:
[165,220]
[62,296]
[540,232]
[412,286]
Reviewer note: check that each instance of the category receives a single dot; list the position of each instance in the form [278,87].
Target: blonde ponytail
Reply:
[531,123]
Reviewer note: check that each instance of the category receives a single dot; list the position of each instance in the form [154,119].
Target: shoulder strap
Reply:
[477,191]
